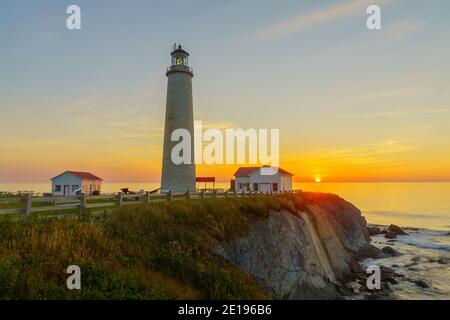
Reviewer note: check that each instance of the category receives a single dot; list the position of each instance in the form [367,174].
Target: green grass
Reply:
[19,205]
[160,251]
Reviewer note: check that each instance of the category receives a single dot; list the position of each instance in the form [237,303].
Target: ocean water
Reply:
[425,257]
[419,205]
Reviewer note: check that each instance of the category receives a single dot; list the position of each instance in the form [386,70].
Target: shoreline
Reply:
[413,270]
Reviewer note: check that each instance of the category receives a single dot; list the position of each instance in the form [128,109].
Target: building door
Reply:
[264,187]
[66,191]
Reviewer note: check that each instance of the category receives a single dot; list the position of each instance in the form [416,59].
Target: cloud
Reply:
[403,29]
[316,17]
[390,152]
[383,94]
[402,113]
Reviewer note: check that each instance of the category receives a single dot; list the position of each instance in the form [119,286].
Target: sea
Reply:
[423,208]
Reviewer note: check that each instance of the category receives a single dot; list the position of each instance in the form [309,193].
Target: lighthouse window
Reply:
[180,61]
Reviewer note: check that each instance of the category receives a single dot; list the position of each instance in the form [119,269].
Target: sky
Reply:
[351,104]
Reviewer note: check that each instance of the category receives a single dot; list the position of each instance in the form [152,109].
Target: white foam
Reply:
[423,242]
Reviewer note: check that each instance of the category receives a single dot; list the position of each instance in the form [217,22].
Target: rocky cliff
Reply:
[306,251]
[290,246]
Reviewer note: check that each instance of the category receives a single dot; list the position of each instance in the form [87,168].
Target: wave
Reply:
[406,214]
[425,242]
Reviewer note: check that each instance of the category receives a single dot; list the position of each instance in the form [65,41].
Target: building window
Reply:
[255,187]
[275,187]
[58,188]
[75,187]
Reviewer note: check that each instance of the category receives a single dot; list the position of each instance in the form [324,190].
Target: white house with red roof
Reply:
[263,179]
[71,183]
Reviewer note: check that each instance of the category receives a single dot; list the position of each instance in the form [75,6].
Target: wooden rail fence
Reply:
[24,205]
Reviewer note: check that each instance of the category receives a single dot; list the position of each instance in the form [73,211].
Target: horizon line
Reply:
[227,181]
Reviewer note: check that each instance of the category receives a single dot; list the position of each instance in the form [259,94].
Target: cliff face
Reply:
[290,246]
[306,252]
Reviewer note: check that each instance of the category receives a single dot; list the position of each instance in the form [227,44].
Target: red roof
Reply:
[205,179]
[247,171]
[81,175]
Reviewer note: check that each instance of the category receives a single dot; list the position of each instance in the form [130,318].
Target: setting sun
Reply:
[318,179]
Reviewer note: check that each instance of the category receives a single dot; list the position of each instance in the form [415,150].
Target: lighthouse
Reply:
[179,115]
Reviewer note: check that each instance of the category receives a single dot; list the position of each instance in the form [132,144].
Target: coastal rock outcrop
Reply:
[397,230]
[373,230]
[309,252]
[391,251]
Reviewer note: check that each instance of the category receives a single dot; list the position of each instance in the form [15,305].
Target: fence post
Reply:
[226,194]
[202,194]
[27,207]
[215,193]
[83,203]
[188,195]
[119,199]
[146,198]
[169,195]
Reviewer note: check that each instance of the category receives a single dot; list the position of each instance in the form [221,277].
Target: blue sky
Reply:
[311,68]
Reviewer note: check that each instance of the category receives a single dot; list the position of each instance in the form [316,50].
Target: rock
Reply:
[374,253]
[390,235]
[346,290]
[387,274]
[384,231]
[416,259]
[392,281]
[421,283]
[386,285]
[390,251]
[442,260]
[397,230]
[373,230]
[411,264]
[281,253]
[306,253]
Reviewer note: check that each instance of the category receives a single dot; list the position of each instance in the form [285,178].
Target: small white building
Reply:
[262,179]
[71,183]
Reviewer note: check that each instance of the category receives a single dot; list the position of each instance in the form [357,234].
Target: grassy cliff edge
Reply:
[161,251]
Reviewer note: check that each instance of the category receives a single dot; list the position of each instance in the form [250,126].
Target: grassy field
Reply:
[161,251]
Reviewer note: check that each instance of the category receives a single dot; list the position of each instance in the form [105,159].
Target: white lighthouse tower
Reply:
[179,115]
